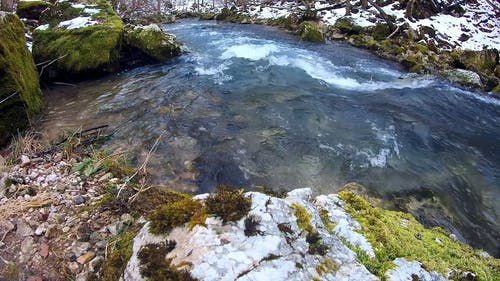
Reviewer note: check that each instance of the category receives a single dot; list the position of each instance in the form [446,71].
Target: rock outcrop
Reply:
[310,31]
[20,93]
[299,237]
[31,9]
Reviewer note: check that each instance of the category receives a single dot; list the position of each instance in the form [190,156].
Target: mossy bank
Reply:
[20,93]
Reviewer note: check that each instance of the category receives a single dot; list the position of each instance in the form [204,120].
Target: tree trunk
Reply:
[364,4]
[386,17]
[348,8]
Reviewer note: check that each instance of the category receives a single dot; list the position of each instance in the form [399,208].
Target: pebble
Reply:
[83,259]
[41,230]
[51,178]
[44,250]
[23,229]
[78,200]
[25,161]
[65,229]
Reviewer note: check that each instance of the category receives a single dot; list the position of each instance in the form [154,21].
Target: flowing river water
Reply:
[251,106]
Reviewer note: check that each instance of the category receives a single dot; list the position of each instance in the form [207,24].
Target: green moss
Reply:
[117,258]
[172,215]
[85,50]
[326,266]
[312,236]
[395,234]
[18,78]
[155,266]
[496,89]
[323,214]
[347,26]
[228,203]
[380,31]
[309,31]
[303,217]
[153,42]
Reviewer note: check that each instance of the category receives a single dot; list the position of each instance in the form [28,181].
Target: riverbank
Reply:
[80,214]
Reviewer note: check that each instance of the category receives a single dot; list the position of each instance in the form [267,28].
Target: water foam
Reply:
[252,52]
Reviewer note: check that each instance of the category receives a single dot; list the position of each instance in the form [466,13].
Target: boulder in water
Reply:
[152,41]
[463,77]
[20,89]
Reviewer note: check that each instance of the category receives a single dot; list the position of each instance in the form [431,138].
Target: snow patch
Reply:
[76,23]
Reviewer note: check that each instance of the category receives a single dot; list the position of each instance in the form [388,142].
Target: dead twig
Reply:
[143,165]
[49,63]
[5,99]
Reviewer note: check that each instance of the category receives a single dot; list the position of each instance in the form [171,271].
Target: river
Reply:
[252,106]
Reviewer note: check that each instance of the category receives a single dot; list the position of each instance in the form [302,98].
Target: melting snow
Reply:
[42,27]
[78,22]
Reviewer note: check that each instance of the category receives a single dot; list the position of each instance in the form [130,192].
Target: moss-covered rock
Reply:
[19,86]
[463,77]
[207,16]
[395,234]
[483,61]
[152,41]
[31,9]
[347,26]
[310,31]
[80,50]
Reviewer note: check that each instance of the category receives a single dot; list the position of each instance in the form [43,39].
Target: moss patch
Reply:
[120,253]
[87,50]
[155,267]
[152,41]
[18,78]
[395,234]
[347,26]
[310,31]
[228,203]
[312,237]
[172,215]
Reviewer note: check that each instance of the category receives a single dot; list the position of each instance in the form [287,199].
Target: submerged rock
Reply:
[19,85]
[310,31]
[87,44]
[152,42]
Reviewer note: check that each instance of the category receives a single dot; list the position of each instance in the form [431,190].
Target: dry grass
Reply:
[27,143]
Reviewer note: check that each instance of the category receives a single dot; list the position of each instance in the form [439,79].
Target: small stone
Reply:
[58,157]
[79,248]
[126,218]
[35,278]
[96,263]
[41,229]
[86,258]
[438,241]
[44,250]
[65,229]
[105,177]
[82,276]
[453,237]
[46,166]
[73,266]
[25,161]
[23,229]
[78,200]
[51,178]
[28,245]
